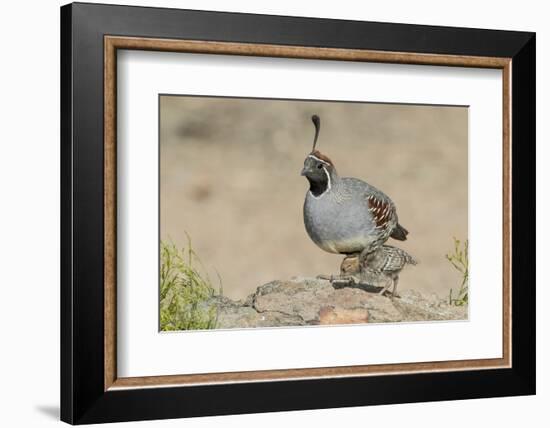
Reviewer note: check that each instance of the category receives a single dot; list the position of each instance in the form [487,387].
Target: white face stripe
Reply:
[329,186]
[328,178]
[319,160]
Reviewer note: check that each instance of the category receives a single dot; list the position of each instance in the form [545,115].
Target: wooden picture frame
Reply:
[91,390]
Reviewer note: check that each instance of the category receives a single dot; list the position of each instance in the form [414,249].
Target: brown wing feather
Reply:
[382,211]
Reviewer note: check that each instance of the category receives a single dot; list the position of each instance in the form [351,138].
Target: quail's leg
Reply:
[386,287]
[363,255]
[394,289]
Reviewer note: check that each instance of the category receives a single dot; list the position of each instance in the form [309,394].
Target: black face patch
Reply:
[318,186]
[317,171]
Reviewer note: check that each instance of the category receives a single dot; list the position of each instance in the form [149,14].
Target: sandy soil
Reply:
[230,178]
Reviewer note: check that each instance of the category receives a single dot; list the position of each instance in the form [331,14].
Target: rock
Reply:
[231,314]
[330,316]
[312,301]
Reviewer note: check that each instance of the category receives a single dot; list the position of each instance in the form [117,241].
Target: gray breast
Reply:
[339,220]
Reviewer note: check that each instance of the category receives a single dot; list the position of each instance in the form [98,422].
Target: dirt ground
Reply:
[230,178]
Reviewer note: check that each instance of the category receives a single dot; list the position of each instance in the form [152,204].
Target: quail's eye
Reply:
[320,166]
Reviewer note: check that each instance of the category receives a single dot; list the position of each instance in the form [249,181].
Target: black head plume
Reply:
[317,123]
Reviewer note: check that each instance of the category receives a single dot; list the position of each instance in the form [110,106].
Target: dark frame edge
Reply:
[66,130]
[524,214]
[84,401]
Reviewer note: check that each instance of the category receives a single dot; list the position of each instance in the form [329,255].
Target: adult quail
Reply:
[381,266]
[345,215]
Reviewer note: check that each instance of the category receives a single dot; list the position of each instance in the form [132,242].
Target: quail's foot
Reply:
[386,293]
[389,294]
[391,283]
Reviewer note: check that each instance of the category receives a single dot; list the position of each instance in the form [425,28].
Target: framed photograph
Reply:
[266,213]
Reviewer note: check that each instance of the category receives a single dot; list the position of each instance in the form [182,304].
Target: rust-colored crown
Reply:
[321,156]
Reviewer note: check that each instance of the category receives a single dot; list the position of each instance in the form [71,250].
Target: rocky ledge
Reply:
[312,301]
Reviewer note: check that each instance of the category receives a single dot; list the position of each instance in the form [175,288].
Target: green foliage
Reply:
[459,259]
[184,290]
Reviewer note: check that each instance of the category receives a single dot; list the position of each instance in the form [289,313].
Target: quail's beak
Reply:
[304,171]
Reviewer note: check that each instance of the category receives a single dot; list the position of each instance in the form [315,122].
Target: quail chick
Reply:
[344,215]
[387,262]
[381,266]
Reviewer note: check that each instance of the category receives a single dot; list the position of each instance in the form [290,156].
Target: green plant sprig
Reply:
[459,259]
[185,290]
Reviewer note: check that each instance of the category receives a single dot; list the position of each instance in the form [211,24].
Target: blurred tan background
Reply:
[230,177]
